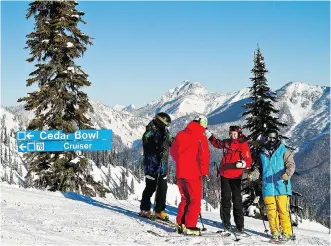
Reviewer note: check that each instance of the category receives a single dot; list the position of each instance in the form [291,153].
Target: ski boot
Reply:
[145,214]
[180,228]
[285,237]
[162,216]
[192,231]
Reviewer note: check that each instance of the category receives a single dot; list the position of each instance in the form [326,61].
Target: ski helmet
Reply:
[202,120]
[163,119]
[236,129]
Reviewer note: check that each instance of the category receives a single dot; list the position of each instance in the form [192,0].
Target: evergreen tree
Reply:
[1,153]
[260,116]
[20,171]
[109,175]
[9,156]
[206,205]
[6,157]
[60,103]
[132,186]
[125,160]
[6,137]
[98,160]
[114,157]
[2,135]
[11,176]
[260,110]
[123,187]
[5,177]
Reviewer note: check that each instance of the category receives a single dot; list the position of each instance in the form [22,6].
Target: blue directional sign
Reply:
[52,146]
[58,140]
[59,135]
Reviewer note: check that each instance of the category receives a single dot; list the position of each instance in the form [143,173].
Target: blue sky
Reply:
[142,49]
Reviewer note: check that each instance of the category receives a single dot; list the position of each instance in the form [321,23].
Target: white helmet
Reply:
[202,120]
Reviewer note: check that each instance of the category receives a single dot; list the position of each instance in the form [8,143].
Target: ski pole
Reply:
[259,207]
[203,227]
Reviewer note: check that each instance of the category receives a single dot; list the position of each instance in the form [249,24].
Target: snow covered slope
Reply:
[34,217]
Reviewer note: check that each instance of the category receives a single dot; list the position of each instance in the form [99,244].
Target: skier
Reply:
[277,166]
[190,151]
[156,142]
[236,157]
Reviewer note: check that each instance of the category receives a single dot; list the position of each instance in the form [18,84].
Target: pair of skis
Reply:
[224,234]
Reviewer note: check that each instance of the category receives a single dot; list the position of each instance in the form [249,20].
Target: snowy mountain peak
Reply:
[185,88]
[118,107]
[301,88]
[301,93]
[130,107]
[188,87]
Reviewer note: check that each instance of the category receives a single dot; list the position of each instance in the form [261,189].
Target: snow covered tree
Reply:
[59,103]
[3,125]
[6,137]
[5,178]
[11,176]
[125,161]
[132,186]
[1,154]
[260,110]
[20,170]
[109,174]
[9,155]
[123,192]
[206,203]
[6,157]
[113,158]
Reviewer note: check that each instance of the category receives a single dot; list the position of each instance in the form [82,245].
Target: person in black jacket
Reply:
[156,142]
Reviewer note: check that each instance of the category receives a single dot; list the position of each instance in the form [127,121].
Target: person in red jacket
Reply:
[190,151]
[236,157]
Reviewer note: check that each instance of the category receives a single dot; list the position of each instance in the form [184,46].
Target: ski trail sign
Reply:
[58,140]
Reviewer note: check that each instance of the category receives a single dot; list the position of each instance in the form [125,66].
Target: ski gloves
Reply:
[254,175]
[285,177]
[241,164]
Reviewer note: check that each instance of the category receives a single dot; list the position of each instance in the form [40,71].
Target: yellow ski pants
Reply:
[278,214]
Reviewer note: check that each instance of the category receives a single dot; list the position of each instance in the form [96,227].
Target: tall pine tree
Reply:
[260,116]
[60,103]
[261,113]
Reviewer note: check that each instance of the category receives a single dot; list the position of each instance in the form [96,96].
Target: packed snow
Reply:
[34,217]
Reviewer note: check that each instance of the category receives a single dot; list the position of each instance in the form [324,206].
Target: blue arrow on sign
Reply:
[59,135]
[53,146]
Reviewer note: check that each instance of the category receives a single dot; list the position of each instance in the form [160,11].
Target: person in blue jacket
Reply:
[276,166]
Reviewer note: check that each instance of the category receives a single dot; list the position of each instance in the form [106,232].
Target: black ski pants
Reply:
[231,188]
[161,194]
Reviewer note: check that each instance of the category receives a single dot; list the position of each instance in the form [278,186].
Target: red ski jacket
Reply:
[233,151]
[190,151]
